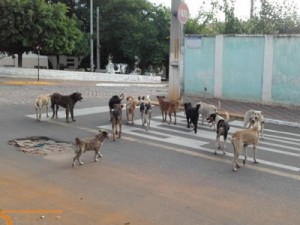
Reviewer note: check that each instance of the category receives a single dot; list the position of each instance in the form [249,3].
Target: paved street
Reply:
[167,176]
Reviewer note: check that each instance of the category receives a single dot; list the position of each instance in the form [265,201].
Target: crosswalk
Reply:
[284,144]
[279,149]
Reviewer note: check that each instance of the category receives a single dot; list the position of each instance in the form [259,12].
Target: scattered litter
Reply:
[40,145]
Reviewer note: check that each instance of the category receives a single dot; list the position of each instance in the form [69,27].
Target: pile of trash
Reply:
[41,145]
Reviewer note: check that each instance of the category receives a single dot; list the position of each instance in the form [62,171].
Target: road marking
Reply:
[182,136]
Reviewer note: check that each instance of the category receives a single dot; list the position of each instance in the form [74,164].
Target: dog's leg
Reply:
[245,151]
[225,142]
[218,144]
[47,109]
[77,157]
[37,113]
[262,131]
[56,110]
[127,116]
[120,129]
[53,110]
[96,155]
[113,130]
[163,115]
[236,153]
[170,117]
[67,113]
[174,117]
[188,121]
[72,113]
[133,117]
[254,153]
[142,118]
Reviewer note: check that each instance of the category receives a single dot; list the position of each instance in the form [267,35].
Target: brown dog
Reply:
[90,144]
[167,107]
[114,100]
[130,109]
[116,120]
[243,138]
[40,102]
[66,101]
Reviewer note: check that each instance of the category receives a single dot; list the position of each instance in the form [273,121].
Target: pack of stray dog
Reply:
[253,121]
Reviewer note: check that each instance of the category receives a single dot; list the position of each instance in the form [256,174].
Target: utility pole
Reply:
[91,33]
[251,8]
[179,16]
[98,42]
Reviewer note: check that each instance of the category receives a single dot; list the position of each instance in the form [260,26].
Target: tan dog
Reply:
[90,144]
[253,116]
[243,138]
[167,107]
[130,109]
[116,120]
[40,102]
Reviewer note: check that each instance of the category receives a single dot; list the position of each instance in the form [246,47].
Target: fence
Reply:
[263,68]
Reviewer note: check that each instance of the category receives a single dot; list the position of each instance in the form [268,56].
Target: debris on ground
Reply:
[41,145]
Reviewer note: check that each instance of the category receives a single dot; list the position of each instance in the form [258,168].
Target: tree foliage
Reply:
[268,18]
[26,24]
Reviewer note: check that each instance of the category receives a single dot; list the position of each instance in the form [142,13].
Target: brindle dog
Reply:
[66,101]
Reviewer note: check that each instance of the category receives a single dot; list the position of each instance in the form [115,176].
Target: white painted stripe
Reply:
[130,85]
[283,132]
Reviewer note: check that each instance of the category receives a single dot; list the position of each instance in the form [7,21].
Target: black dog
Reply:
[192,115]
[66,101]
[114,100]
[222,128]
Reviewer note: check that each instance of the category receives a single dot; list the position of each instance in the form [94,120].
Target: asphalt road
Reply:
[167,176]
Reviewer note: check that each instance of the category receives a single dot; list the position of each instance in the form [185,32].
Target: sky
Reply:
[242,6]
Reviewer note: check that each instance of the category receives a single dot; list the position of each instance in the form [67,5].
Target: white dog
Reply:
[206,110]
[253,116]
[40,102]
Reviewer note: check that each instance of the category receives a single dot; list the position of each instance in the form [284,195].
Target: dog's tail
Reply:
[148,98]
[36,104]
[226,116]
[121,96]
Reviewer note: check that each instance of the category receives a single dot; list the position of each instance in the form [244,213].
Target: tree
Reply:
[132,29]
[26,24]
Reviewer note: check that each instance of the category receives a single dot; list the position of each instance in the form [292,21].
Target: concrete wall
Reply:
[261,68]
[75,75]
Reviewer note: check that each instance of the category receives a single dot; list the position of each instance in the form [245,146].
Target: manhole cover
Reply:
[41,145]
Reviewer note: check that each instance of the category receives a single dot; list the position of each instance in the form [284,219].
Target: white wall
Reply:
[75,75]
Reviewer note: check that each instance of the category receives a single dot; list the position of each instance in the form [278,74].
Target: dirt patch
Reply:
[41,146]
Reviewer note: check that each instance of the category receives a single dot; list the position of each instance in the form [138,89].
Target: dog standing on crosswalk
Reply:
[243,138]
